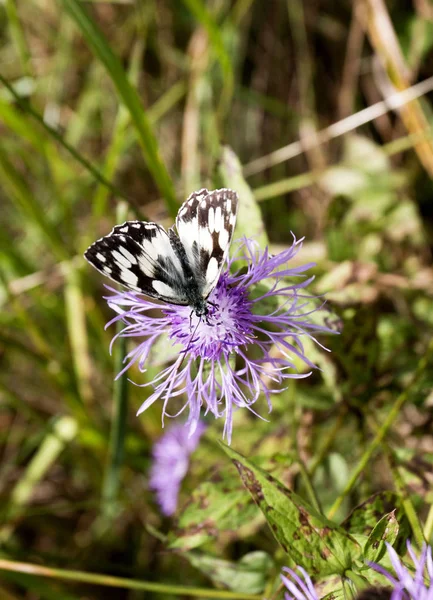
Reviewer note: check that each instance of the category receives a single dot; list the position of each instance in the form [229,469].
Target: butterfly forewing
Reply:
[139,255]
[205,224]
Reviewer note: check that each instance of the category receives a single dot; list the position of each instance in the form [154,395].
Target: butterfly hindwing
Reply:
[140,256]
[205,225]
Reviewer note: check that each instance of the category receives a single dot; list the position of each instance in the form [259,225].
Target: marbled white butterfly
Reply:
[178,267]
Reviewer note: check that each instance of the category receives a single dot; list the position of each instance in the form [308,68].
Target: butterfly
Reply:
[179,266]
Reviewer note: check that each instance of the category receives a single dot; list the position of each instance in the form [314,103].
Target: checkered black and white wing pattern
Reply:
[139,255]
[205,225]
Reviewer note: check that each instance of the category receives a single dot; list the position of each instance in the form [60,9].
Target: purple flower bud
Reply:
[171,455]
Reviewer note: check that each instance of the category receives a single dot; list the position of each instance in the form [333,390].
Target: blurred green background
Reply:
[119,109]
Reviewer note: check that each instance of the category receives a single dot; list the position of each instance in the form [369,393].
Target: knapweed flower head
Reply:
[258,316]
[171,455]
[408,585]
[299,587]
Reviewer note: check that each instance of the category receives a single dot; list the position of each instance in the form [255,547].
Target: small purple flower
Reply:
[245,346]
[408,586]
[170,464]
[300,588]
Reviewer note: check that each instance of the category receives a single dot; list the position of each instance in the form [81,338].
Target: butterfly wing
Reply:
[139,255]
[205,225]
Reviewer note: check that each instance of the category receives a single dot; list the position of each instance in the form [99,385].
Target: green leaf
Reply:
[310,540]
[386,530]
[363,519]
[214,506]
[130,98]
[222,505]
[250,574]
[249,222]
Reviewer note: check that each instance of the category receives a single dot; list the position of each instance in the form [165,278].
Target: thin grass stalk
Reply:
[120,582]
[200,10]
[385,42]
[383,431]
[30,207]
[362,117]
[117,145]
[298,182]
[116,451]
[27,109]
[77,332]
[428,527]
[130,98]
[60,435]
[406,501]
[18,37]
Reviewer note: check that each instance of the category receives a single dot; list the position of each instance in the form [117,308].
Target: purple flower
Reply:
[299,588]
[245,346]
[407,585]
[170,464]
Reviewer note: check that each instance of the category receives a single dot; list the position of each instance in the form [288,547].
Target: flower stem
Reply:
[120,582]
[393,414]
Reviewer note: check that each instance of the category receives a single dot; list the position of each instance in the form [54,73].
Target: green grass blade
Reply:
[62,433]
[111,484]
[130,99]
[77,331]
[116,453]
[121,582]
[17,35]
[35,213]
[27,109]
[213,29]
[120,137]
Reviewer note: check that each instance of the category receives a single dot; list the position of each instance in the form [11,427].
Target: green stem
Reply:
[393,414]
[120,582]
[408,506]
[428,528]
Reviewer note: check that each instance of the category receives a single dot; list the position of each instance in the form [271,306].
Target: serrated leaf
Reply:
[310,540]
[249,221]
[385,530]
[248,575]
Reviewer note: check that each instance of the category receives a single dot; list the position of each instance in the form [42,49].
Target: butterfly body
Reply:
[180,266]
